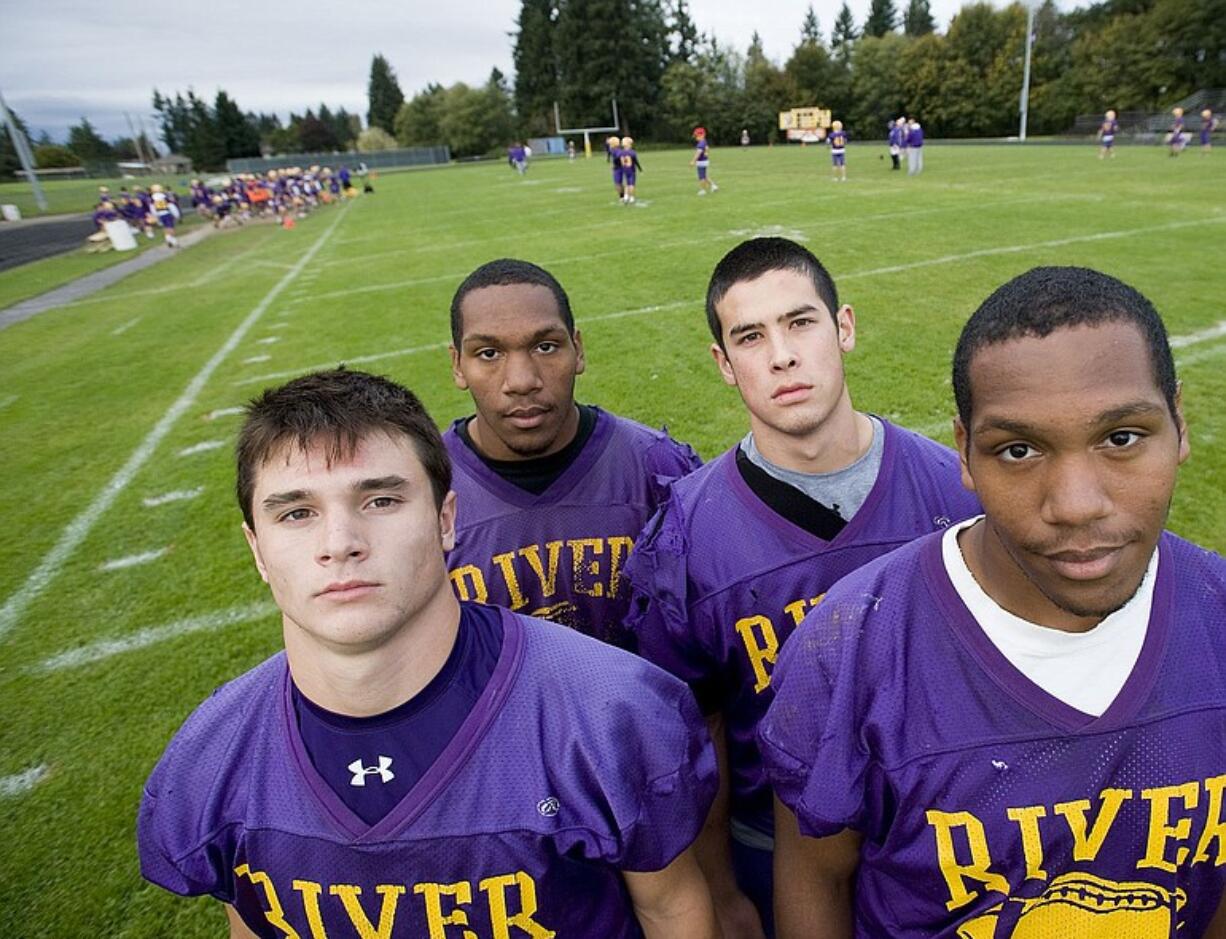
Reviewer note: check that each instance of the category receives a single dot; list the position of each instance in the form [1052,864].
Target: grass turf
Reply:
[82,387]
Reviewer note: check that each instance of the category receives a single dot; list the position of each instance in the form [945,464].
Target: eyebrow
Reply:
[484,339]
[375,484]
[1111,416]
[798,311]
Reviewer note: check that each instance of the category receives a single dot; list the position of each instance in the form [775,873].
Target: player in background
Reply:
[744,136]
[551,493]
[409,760]
[1106,135]
[1017,727]
[570,150]
[1176,138]
[1208,124]
[613,154]
[915,148]
[630,168]
[165,212]
[745,546]
[838,151]
[894,134]
[702,160]
[517,156]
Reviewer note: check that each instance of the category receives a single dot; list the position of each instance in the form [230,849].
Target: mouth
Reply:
[790,393]
[348,590]
[527,418]
[1088,563]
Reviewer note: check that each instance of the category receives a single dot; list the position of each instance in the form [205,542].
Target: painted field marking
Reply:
[23,782]
[179,495]
[1215,331]
[120,330]
[223,412]
[151,635]
[267,340]
[256,358]
[77,530]
[203,446]
[132,560]
[1199,355]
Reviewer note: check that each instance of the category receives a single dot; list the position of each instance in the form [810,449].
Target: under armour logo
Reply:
[548,806]
[1000,764]
[360,772]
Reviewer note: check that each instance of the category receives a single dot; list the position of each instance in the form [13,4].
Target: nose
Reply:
[782,358]
[341,539]
[1075,493]
[521,375]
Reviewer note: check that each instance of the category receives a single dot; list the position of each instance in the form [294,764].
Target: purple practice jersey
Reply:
[720,580]
[560,554]
[577,762]
[988,807]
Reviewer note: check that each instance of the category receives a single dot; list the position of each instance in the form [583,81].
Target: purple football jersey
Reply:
[720,580]
[578,762]
[988,807]
[560,555]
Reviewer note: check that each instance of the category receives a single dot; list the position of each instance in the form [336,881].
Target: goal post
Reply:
[586,131]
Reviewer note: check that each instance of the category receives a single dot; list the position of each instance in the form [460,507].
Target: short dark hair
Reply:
[751,259]
[337,408]
[1046,299]
[504,272]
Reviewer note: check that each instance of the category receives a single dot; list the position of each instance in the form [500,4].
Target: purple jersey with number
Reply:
[577,762]
[987,807]
[560,555]
[720,580]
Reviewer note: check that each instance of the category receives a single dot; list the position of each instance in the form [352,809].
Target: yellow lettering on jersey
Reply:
[1215,823]
[361,922]
[469,583]
[1027,819]
[798,609]
[436,921]
[275,914]
[495,889]
[532,554]
[1160,829]
[310,892]
[620,547]
[587,573]
[956,874]
[761,645]
[507,563]
[1086,846]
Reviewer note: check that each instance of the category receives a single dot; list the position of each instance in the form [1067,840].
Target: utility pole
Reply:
[1025,102]
[136,139]
[22,146]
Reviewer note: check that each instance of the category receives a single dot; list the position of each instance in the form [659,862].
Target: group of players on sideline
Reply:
[548,675]
[1176,138]
[279,194]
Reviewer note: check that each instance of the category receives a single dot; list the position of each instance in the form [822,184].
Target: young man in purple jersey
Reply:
[613,153]
[412,766]
[1018,727]
[748,544]
[702,160]
[1106,135]
[551,493]
[838,152]
[631,167]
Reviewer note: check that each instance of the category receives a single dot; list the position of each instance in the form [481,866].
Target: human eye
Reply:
[299,514]
[486,355]
[548,346]
[747,337]
[383,502]
[1017,452]
[1123,439]
[801,321]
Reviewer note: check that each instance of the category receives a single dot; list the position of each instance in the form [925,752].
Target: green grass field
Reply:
[109,408]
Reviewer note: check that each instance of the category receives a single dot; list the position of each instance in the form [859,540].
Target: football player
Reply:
[1106,135]
[745,546]
[1208,124]
[1176,138]
[702,160]
[630,168]
[1017,727]
[838,151]
[551,493]
[165,212]
[612,149]
[409,762]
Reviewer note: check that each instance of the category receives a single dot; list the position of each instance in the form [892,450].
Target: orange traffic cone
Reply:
[288,222]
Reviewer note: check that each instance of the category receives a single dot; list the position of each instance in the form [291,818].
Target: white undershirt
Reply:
[1084,670]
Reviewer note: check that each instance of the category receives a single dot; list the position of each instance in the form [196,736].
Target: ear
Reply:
[845,320]
[446,521]
[580,361]
[1181,425]
[962,444]
[456,375]
[722,363]
[254,544]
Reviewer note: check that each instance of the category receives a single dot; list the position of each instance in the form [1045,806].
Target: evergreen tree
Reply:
[683,32]
[52,156]
[767,92]
[9,162]
[882,18]
[88,144]
[316,135]
[810,31]
[917,20]
[238,134]
[345,127]
[844,34]
[419,123]
[536,66]
[205,145]
[384,95]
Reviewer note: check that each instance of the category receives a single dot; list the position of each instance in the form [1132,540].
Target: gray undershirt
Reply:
[843,490]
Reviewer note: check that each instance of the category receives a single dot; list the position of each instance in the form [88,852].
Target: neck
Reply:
[841,439]
[493,448]
[374,679]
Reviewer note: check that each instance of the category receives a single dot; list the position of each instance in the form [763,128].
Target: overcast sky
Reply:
[63,60]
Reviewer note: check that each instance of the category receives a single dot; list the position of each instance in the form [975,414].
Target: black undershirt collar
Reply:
[790,502]
[537,474]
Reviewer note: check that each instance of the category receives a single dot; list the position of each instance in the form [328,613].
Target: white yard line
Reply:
[179,495]
[77,530]
[24,781]
[120,330]
[1215,331]
[204,446]
[132,560]
[267,340]
[223,412]
[1199,355]
[151,635]
[255,359]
